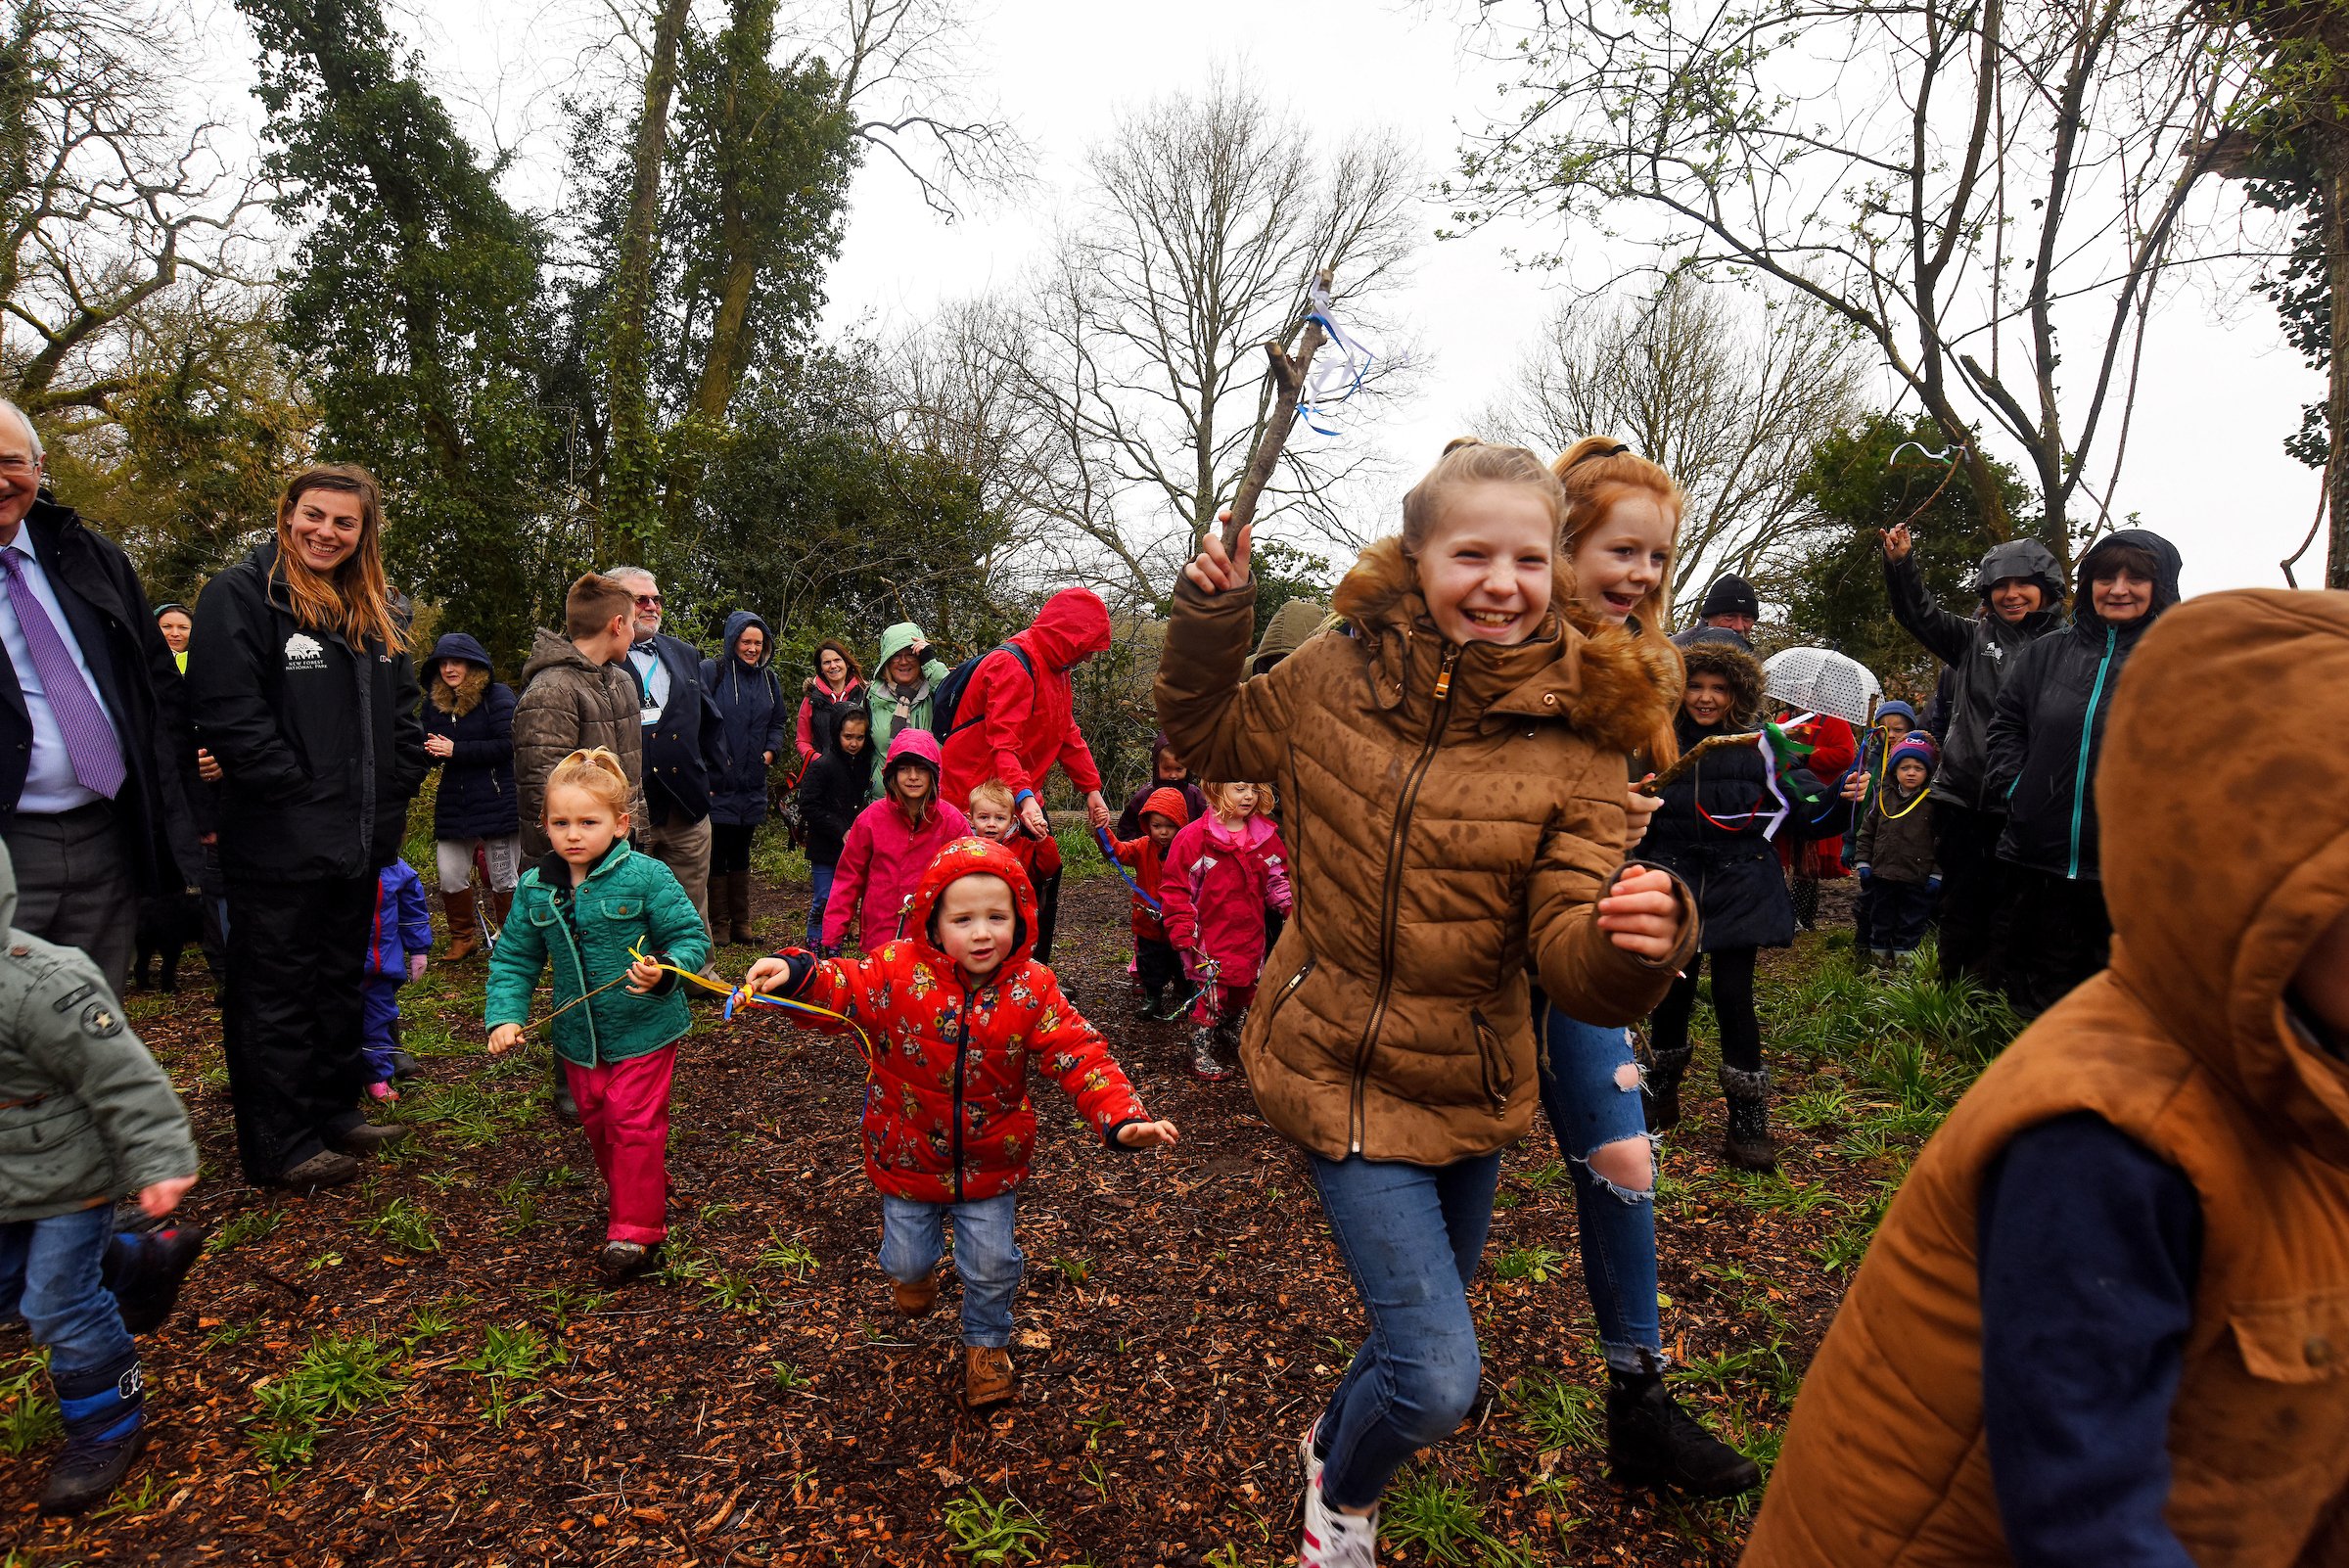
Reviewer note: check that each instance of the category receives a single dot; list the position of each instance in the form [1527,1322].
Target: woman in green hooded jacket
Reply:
[904,678]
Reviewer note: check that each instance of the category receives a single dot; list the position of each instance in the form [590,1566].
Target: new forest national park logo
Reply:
[305,652]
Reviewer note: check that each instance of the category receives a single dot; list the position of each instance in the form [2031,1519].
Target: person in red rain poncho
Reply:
[1014,726]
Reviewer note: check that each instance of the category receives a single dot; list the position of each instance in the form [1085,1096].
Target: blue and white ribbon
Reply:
[1332,382]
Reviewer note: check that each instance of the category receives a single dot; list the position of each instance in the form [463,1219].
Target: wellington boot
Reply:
[1206,1066]
[464,931]
[499,904]
[987,1378]
[566,1108]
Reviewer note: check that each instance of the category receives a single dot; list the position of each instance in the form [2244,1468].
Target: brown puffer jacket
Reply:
[569,704]
[1451,814]
[2226,855]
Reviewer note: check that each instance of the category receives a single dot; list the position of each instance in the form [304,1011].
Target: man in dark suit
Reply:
[96,758]
[683,739]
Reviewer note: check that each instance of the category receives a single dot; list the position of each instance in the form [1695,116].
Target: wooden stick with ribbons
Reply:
[1288,372]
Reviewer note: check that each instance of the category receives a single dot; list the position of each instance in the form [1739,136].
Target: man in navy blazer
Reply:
[685,739]
[97,761]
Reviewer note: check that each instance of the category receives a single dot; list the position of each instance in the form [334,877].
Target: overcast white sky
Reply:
[2219,390]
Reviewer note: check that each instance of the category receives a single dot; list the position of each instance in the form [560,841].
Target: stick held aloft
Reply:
[1288,373]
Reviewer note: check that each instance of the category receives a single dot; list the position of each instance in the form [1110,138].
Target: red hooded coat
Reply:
[946,1115]
[1014,726]
[1149,866]
[885,854]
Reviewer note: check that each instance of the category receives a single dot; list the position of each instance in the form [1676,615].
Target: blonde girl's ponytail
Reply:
[598,772]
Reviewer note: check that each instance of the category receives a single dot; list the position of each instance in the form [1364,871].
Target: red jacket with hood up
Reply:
[1014,726]
[946,1115]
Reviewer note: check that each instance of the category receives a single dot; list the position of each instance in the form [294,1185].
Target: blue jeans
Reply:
[1591,1092]
[379,1024]
[50,1275]
[821,877]
[985,1255]
[1411,1236]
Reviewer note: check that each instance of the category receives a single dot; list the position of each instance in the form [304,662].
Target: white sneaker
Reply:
[1332,1540]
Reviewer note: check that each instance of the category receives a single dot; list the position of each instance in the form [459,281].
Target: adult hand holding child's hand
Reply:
[1641,915]
[1147,1135]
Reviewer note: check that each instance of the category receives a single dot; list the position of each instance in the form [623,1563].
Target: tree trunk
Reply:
[2333,190]
[633,471]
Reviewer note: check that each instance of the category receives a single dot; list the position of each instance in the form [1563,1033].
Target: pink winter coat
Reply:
[882,859]
[1214,890]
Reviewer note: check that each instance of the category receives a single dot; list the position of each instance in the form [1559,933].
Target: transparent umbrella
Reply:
[1821,681]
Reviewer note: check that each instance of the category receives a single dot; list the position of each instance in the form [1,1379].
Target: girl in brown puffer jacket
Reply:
[1452,770]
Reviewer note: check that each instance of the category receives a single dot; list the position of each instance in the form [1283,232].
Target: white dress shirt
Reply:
[50,786]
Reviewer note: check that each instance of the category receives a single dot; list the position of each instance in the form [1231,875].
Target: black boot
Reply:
[103,1433]
[565,1107]
[145,1273]
[1660,1089]
[1747,1142]
[1651,1441]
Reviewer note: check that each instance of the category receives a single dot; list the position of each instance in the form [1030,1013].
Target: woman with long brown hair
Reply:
[302,686]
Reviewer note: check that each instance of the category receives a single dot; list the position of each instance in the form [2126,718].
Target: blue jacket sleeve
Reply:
[2089,1249]
[415,916]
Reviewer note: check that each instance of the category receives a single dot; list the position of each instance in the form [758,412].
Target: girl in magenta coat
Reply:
[893,842]
[1222,874]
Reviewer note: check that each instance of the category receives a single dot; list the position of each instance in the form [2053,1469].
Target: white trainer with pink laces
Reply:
[1332,1540]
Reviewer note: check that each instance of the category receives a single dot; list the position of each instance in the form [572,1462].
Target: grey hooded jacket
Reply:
[86,1116]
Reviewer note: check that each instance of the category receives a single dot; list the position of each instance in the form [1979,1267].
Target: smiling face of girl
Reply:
[1708,699]
[1485,569]
[1622,559]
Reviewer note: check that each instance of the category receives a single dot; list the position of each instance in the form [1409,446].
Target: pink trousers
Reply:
[623,1109]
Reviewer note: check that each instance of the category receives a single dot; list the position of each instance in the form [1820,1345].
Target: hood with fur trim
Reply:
[1613,685]
[1725,654]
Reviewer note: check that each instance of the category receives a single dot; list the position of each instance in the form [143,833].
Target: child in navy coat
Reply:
[398,941]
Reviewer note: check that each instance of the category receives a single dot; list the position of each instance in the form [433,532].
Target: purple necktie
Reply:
[90,743]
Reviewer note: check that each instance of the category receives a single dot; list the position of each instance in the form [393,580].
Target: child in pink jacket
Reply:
[890,844]
[1223,872]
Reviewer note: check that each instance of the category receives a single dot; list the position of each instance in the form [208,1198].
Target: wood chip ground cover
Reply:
[423,1368]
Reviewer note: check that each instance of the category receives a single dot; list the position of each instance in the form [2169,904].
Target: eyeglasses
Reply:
[16,467]
[649,601]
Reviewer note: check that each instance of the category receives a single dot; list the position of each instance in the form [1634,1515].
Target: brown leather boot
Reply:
[499,904]
[914,1297]
[738,905]
[986,1376]
[464,933]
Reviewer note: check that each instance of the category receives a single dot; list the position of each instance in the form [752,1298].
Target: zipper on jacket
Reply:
[1392,896]
[1281,997]
[2087,725]
[962,1050]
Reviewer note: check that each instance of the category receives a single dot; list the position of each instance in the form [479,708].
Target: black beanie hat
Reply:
[1730,595]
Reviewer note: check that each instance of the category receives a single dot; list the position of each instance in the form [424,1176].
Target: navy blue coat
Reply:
[753,720]
[478,798]
[681,751]
[1720,851]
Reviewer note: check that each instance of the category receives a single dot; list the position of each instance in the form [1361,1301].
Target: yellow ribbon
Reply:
[736,997]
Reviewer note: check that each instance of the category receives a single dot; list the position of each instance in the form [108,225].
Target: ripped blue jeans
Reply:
[1591,1092]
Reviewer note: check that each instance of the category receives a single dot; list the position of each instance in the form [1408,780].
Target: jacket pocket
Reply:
[1290,988]
[2276,1407]
[622,908]
[1493,1054]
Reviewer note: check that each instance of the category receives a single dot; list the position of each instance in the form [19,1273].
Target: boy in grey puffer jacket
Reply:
[1899,875]
[86,1116]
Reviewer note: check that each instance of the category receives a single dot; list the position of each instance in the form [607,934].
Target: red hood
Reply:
[966,858]
[1071,627]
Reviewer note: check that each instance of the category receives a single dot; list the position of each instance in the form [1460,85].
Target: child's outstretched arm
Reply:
[516,962]
[1073,1052]
[1222,729]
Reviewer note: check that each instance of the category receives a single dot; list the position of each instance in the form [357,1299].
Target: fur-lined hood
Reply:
[1614,686]
[1725,654]
[463,697]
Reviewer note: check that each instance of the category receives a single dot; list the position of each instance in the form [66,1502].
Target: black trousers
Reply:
[1973,881]
[730,848]
[1733,1009]
[2053,934]
[1157,965]
[290,1029]
[1048,916]
[75,887]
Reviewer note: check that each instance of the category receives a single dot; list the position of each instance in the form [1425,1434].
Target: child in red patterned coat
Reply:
[955,1010]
